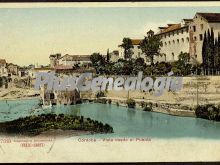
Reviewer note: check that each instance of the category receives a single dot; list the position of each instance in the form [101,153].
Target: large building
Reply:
[201,23]
[186,36]
[69,60]
[174,38]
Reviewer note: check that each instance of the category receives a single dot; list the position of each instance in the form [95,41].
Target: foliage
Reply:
[211,51]
[150,46]
[127,46]
[102,101]
[100,94]
[34,125]
[131,103]
[209,111]
[98,62]
[147,106]
[109,101]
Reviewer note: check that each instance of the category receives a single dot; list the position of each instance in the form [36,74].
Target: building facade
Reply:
[202,22]
[12,69]
[175,39]
[3,68]
[186,36]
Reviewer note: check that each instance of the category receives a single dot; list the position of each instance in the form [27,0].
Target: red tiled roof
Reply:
[63,67]
[210,17]
[43,69]
[77,57]
[136,41]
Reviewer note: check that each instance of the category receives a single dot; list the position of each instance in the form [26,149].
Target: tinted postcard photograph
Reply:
[110,82]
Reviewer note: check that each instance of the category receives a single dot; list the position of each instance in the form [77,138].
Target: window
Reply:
[173,33]
[195,38]
[165,35]
[187,39]
[200,37]
[201,26]
[177,32]
[173,41]
[165,57]
[173,56]
[165,43]
[182,31]
[178,41]
[182,39]
[138,47]
[169,34]
[169,42]
[194,28]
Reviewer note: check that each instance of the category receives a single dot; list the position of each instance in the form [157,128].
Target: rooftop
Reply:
[210,17]
[76,57]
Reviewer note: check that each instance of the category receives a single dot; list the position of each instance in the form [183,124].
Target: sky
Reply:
[30,35]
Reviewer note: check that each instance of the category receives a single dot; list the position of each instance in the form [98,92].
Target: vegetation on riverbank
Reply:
[34,125]
[209,111]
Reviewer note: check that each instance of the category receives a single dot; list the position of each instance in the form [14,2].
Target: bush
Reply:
[148,107]
[100,94]
[109,101]
[102,101]
[209,111]
[131,103]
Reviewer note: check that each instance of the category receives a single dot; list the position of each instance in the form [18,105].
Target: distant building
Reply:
[59,97]
[12,69]
[32,72]
[54,59]
[114,56]
[3,69]
[72,60]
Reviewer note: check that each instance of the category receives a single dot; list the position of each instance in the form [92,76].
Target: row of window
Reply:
[178,41]
[174,32]
[194,27]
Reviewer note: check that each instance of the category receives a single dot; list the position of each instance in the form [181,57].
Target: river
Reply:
[125,122]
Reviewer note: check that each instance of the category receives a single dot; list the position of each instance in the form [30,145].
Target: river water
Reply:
[125,122]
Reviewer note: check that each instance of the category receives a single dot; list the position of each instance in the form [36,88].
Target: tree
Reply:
[218,45]
[139,65]
[204,51]
[108,56]
[183,58]
[127,46]
[98,61]
[150,46]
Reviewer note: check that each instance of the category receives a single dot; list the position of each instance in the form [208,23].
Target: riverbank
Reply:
[165,108]
[14,93]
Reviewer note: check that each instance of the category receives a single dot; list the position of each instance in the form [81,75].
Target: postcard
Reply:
[110,82]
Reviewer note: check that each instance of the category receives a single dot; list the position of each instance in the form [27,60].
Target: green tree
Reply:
[204,51]
[150,46]
[98,62]
[139,65]
[127,46]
